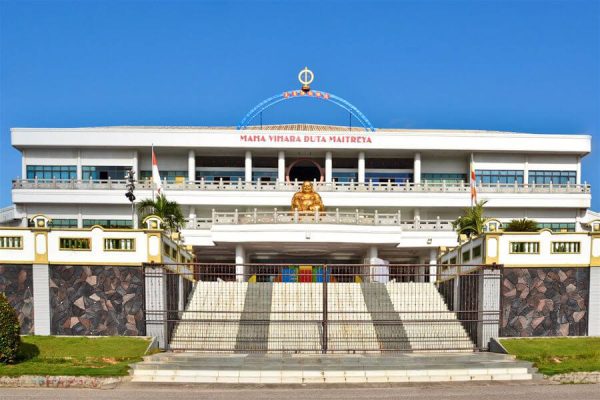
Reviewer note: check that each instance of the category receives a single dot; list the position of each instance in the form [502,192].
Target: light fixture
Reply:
[429,240]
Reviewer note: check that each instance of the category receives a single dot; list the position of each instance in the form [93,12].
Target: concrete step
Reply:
[328,376]
[323,369]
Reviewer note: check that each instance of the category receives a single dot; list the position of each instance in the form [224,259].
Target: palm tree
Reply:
[522,225]
[169,211]
[472,222]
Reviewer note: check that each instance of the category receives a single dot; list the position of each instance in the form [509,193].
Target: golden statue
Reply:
[307,199]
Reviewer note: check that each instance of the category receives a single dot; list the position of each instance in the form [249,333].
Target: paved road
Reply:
[490,391]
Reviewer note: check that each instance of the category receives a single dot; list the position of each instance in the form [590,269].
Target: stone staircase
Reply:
[261,369]
[421,301]
[238,317]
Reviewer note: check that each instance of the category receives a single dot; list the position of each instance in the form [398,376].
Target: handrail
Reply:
[240,185]
[330,217]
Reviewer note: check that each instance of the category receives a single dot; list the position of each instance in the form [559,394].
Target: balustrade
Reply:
[221,185]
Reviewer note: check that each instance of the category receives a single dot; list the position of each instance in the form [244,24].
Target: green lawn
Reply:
[557,355]
[80,356]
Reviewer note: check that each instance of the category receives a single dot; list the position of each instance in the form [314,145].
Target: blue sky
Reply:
[530,66]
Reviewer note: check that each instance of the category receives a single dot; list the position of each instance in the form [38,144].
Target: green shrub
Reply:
[521,225]
[9,331]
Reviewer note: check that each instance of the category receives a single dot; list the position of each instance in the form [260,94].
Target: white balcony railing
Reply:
[330,217]
[8,213]
[407,187]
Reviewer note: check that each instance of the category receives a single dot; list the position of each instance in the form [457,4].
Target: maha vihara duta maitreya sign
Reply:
[307,138]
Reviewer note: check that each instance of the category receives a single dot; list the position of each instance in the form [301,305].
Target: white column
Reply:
[578,179]
[41,299]
[372,254]
[240,260]
[181,299]
[489,298]
[23,165]
[371,260]
[526,170]
[417,214]
[79,169]
[281,166]
[191,165]
[433,253]
[594,302]
[417,168]
[248,166]
[361,167]
[421,277]
[472,157]
[328,167]
[79,218]
[156,304]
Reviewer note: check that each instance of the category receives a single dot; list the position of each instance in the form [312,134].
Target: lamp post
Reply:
[130,186]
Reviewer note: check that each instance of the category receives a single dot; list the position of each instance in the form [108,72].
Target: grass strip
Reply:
[557,355]
[76,356]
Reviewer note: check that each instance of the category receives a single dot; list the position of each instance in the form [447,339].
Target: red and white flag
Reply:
[473,183]
[155,174]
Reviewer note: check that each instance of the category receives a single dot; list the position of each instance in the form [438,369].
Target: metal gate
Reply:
[331,308]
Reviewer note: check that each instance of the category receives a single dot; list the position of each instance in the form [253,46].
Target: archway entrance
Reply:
[305,169]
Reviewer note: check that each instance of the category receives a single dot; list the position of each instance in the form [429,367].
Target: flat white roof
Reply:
[306,136]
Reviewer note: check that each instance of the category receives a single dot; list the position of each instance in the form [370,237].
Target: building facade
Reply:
[389,194]
[382,254]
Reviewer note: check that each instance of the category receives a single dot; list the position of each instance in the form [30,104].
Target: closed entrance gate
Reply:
[322,308]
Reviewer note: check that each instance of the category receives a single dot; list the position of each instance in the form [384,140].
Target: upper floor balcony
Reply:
[335,217]
[277,186]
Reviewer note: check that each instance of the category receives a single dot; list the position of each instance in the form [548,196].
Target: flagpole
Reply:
[152,180]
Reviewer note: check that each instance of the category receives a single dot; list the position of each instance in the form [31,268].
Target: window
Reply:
[477,251]
[558,226]
[264,176]
[166,250]
[104,172]
[524,247]
[492,226]
[218,161]
[556,177]
[170,176]
[344,177]
[385,177]
[75,244]
[439,178]
[466,256]
[453,260]
[389,163]
[488,176]
[119,244]
[52,171]
[566,247]
[11,242]
[215,175]
[63,223]
[108,223]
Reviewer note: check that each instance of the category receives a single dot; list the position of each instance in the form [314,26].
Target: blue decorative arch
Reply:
[299,94]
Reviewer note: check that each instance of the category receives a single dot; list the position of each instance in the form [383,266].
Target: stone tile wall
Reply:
[96,300]
[545,301]
[16,282]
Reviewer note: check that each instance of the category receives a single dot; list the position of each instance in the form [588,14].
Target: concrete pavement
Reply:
[475,391]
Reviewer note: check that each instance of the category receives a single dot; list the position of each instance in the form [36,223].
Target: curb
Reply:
[575,377]
[81,382]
